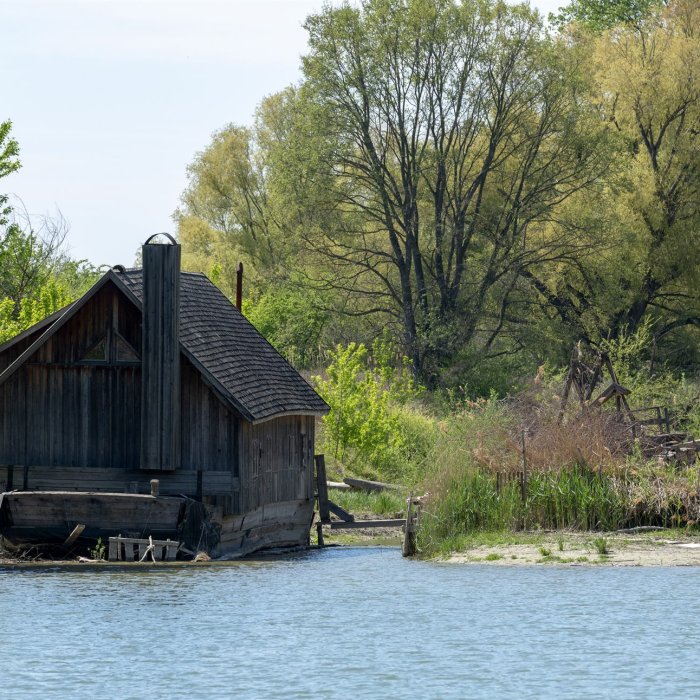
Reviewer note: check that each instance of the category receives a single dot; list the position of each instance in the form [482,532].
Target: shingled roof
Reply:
[230,350]
[221,343]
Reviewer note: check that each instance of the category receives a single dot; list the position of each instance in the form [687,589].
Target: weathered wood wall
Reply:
[67,417]
[210,433]
[8,356]
[277,461]
[62,410]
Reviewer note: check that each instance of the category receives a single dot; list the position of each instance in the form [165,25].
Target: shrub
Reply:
[372,425]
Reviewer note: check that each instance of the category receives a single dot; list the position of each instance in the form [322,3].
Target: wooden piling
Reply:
[408,548]
[322,488]
[523,480]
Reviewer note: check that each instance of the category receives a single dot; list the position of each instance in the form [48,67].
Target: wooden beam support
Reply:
[76,532]
[357,524]
[340,512]
[322,489]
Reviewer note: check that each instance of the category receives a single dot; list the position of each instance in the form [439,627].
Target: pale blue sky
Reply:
[110,100]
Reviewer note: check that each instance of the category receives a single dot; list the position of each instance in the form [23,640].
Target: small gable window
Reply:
[124,352]
[111,348]
[98,352]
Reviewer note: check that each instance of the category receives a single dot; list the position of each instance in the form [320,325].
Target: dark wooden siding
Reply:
[60,411]
[277,461]
[8,356]
[209,428]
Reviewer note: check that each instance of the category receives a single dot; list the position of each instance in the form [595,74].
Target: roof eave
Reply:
[67,313]
[36,327]
[284,414]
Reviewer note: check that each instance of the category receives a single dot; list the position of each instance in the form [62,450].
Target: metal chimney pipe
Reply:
[239,285]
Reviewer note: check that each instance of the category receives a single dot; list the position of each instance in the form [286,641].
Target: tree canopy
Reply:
[600,15]
[459,176]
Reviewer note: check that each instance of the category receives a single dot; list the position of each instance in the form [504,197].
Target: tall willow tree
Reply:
[599,15]
[646,77]
[649,77]
[454,131]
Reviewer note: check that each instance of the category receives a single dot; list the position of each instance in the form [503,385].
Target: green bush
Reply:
[373,426]
[292,320]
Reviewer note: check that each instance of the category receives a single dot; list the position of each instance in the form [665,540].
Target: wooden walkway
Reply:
[347,520]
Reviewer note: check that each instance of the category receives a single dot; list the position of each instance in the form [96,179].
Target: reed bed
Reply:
[582,474]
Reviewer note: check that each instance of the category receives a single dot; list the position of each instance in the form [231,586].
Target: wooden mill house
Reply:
[151,406]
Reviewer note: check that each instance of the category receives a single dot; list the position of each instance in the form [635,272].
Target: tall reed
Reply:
[580,475]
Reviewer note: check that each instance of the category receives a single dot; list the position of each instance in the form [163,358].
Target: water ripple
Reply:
[360,622]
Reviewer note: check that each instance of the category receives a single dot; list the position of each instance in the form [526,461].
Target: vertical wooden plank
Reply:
[171,551]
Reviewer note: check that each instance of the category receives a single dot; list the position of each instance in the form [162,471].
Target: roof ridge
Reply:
[182,272]
[233,351]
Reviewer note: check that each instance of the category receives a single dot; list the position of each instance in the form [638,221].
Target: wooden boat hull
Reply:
[283,525]
[50,516]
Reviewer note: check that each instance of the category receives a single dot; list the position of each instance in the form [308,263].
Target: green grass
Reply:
[575,498]
[387,503]
[601,546]
[493,557]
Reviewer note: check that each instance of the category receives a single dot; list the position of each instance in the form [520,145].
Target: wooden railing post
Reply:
[322,489]
[523,481]
[408,548]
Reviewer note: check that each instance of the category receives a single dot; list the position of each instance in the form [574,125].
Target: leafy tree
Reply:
[454,132]
[293,320]
[36,277]
[599,15]
[9,163]
[364,390]
[229,210]
[647,80]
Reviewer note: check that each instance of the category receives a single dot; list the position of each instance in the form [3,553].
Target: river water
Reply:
[350,623]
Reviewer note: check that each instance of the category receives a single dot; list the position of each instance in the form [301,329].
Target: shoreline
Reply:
[662,548]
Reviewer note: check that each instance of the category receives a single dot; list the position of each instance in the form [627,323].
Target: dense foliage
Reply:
[485,189]
[478,191]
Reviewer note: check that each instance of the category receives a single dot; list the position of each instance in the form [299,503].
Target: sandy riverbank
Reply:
[664,548]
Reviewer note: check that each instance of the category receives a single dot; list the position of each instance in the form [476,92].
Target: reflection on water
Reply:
[349,623]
